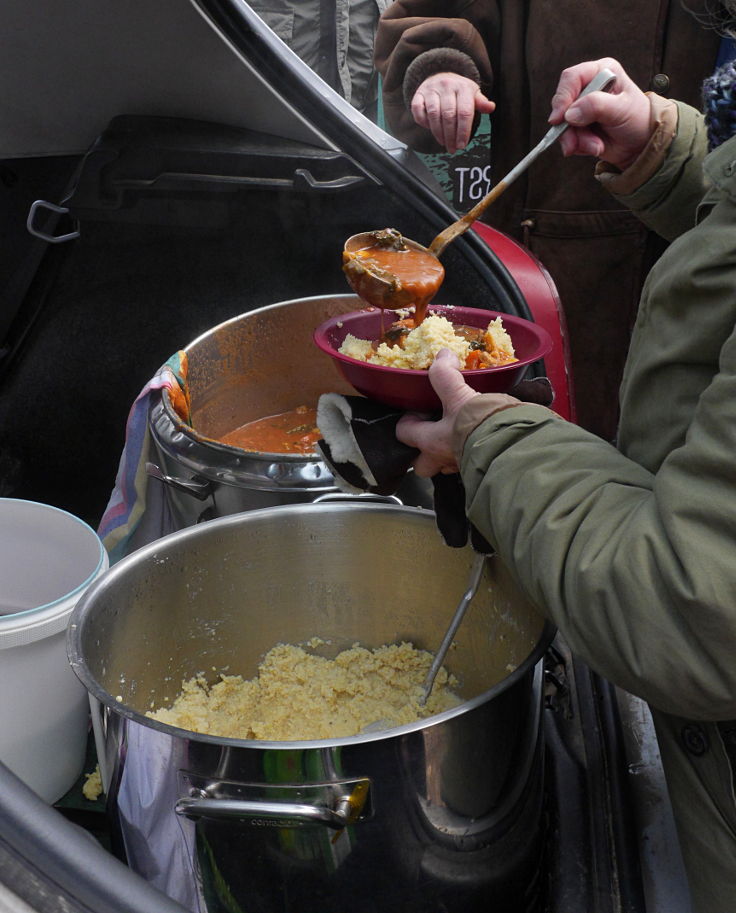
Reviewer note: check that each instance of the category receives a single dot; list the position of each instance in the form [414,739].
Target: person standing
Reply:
[629,549]
[510,54]
[335,38]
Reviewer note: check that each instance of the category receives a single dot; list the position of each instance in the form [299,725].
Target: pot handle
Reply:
[363,496]
[198,489]
[346,810]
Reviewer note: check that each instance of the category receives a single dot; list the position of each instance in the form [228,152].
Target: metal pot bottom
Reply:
[439,794]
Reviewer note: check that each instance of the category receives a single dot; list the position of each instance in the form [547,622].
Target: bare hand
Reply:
[434,439]
[446,105]
[613,125]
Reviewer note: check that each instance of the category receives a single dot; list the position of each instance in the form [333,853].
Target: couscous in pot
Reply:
[392,820]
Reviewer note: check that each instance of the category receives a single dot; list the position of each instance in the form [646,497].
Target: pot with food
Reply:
[238,665]
[249,442]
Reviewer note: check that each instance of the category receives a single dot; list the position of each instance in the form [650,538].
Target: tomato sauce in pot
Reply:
[294,431]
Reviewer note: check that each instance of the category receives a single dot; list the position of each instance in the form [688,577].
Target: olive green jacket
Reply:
[632,551]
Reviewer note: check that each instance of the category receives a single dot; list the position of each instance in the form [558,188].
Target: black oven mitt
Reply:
[360,446]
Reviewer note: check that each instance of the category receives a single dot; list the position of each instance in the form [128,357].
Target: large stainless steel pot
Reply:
[260,363]
[418,818]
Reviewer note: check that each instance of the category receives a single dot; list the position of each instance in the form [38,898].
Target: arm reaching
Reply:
[446,104]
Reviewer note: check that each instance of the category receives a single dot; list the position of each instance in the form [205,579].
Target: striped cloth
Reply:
[137,512]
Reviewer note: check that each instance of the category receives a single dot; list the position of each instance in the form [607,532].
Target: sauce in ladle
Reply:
[389,271]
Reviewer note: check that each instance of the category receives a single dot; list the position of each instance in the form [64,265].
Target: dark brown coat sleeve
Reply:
[412,44]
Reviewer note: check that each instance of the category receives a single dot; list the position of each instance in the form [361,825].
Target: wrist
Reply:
[623,179]
[437,60]
[475,411]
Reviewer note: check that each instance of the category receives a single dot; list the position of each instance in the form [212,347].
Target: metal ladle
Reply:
[383,290]
[476,572]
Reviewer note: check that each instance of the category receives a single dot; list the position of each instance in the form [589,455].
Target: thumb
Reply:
[447,381]
[484,105]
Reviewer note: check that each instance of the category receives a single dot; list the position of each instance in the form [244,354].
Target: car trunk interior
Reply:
[143,279]
[181,225]
[198,179]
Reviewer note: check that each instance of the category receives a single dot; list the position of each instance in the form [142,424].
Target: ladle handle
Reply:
[476,572]
[599,83]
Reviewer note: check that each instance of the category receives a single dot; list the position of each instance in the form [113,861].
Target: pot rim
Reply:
[224,464]
[80,668]
[235,454]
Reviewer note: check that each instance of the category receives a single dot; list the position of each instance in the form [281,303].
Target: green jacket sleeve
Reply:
[636,569]
[667,203]
[632,552]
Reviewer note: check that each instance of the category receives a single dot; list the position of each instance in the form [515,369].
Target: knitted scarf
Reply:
[719,104]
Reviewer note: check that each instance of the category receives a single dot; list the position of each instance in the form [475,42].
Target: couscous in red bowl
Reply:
[410,389]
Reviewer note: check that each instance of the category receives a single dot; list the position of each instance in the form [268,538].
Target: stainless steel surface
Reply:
[332,497]
[218,596]
[338,809]
[200,490]
[476,572]
[235,376]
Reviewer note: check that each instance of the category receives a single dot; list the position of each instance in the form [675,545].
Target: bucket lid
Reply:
[49,557]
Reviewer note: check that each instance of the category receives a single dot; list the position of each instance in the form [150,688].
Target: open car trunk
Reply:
[197,169]
[176,223]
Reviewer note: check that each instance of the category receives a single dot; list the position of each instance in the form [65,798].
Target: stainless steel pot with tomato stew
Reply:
[259,364]
[439,815]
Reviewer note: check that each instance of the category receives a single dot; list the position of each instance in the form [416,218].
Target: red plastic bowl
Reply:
[411,390]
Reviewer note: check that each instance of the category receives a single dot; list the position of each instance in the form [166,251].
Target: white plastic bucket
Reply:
[48,557]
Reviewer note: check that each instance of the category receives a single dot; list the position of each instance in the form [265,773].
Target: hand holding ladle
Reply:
[380,284]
